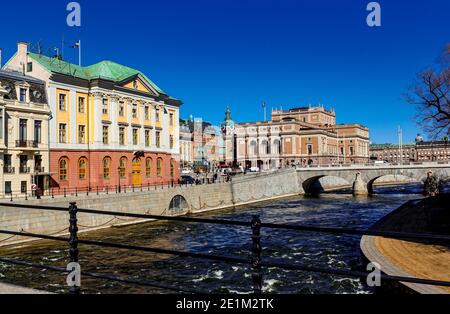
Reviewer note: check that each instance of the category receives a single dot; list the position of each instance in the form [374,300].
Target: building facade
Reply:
[201,143]
[300,136]
[420,151]
[392,153]
[186,145]
[111,124]
[24,136]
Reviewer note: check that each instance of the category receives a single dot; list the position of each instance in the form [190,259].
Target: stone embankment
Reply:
[165,201]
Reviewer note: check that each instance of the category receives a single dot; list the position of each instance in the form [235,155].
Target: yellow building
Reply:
[111,124]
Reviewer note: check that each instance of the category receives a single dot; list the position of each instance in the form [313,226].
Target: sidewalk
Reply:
[11,289]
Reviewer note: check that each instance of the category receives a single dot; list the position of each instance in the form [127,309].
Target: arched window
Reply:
[172,168]
[63,168]
[159,166]
[277,147]
[148,167]
[123,167]
[106,168]
[253,148]
[82,168]
[265,147]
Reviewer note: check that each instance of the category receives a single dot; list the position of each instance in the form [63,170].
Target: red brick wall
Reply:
[94,169]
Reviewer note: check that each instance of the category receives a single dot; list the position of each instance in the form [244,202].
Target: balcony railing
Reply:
[39,169]
[27,144]
[24,169]
[9,170]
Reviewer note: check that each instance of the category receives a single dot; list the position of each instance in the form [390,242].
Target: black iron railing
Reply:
[27,144]
[9,170]
[82,191]
[255,260]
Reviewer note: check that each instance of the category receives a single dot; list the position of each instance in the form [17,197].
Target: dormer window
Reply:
[22,91]
[22,95]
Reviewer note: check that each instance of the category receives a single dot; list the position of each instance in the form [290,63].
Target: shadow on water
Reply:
[287,246]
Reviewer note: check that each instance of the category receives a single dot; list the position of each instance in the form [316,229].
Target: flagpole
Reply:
[79,52]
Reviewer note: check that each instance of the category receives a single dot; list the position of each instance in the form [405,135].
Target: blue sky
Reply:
[217,53]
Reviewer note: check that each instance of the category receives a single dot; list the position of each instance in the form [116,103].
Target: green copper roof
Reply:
[107,70]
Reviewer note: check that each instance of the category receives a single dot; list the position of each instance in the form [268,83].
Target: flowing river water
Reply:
[306,248]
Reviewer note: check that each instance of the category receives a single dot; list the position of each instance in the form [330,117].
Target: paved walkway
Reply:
[11,289]
[410,259]
[413,258]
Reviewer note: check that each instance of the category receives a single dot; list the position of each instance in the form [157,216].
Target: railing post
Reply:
[73,241]
[76,191]
[256,255]
[53,194]
[65,192]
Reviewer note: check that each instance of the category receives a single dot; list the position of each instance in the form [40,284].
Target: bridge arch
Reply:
[323,183]
[178,205]
[391,180]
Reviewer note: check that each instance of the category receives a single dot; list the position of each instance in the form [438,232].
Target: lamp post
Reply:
[118,172]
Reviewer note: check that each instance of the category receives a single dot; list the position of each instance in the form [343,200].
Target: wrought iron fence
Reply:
[255,260]
[82,191]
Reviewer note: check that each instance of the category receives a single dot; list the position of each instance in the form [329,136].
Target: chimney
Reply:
[22,54]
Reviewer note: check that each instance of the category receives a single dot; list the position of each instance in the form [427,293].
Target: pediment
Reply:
[138,84]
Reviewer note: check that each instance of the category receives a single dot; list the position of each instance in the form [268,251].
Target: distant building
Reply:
[24,136]
[186,144]
[420,151]
[299,136]
[111,124]
[201,143]
[391,153]
[433,150]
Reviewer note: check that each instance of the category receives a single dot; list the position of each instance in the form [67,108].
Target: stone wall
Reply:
[241,191]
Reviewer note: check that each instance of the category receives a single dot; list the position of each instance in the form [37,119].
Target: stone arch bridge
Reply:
[363,178]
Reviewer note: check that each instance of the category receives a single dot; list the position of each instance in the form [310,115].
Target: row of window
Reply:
[122,136]
[62,106]
[23,130]
[23,187]
[23,164]
[106,167]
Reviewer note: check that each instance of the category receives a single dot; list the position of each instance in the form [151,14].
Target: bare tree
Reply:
[430,95]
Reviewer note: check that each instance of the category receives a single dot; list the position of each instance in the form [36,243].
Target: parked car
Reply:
[254,169]
[187,180]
